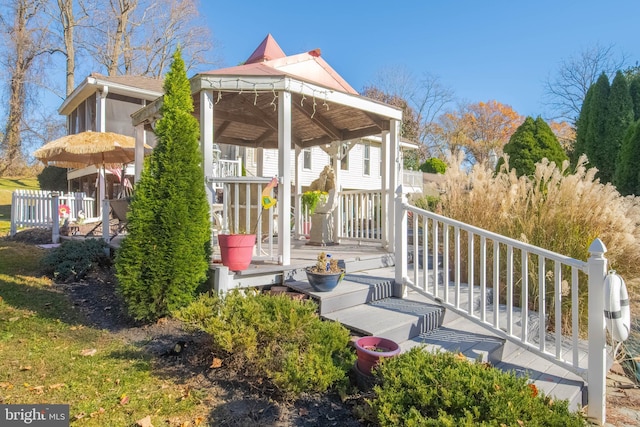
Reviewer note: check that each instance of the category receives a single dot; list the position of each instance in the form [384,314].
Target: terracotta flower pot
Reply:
[371,349]
[236,250]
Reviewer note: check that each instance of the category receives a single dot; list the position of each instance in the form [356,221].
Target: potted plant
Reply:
[371,349]
[310,199]
[236,250]
[325,275]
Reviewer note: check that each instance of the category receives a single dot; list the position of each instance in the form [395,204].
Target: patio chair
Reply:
[119,208]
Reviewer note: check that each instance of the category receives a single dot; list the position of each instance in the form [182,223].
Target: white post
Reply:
[597,369]
[55,214]
[297,205]
[106,233]
[14,213]
[221,279]
[384,185]
[401,240]
[206,148]
[141,139]
[284,168]
[394,178]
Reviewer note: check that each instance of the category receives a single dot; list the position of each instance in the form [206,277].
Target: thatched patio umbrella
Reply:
[89,148]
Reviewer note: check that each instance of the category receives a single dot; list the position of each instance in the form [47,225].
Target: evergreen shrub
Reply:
[276,337]
[418,388]
[434,165]
[73,259]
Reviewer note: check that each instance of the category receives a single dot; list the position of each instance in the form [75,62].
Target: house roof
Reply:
[268,50]
[324,107]
[139,87]
[269,60]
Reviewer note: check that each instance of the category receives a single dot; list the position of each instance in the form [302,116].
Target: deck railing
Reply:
[523,293]
[360,215]
[241,211]
[33,208]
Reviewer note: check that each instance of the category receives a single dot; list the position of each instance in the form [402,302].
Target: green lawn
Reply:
[7,185]
[47,355]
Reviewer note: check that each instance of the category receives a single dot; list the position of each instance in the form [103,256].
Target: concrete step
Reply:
[474,346]
[354,290]
[392,318]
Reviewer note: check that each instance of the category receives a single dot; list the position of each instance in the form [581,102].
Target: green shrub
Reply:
[165,256]
[428,203]
[420,388]
[434,165]
[276,337]
[73,259]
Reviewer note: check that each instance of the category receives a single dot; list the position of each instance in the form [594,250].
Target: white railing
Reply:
[302,222]
[241,212]
[226,168]
[360,215]
[413,181]
[33,208]
[523,293]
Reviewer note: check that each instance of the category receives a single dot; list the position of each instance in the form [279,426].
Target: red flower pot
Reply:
[236,250]
[371,349]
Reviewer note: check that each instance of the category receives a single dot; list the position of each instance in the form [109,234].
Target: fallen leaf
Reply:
[199,421]
[8,386]
[25,368]
[79,416]
[124,399]
[145,422]
[96,413]
[216,363]
[14,319]
[38,389]
[303,412]
[88,352]
[56,386]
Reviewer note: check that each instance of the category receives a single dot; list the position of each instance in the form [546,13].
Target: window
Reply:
[306,158]
[367,160]
[344,157]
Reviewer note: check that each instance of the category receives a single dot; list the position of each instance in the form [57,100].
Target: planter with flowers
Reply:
[325,275]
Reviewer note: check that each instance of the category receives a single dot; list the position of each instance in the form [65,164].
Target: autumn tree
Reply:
[566,90]
[26,47]
[532,141]
[137,37]
[425,95]
[165,256]
[480,130]
[565,133]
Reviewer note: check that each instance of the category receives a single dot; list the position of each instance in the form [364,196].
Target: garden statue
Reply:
[322,230]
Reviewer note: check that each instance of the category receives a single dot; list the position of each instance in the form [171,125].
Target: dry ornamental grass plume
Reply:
[559,209]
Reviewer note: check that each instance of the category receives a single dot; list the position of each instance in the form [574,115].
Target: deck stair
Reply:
[367,304]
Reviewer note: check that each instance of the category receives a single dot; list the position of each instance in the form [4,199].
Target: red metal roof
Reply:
[269,60]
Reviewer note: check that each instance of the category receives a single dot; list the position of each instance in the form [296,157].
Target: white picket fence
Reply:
[34,208]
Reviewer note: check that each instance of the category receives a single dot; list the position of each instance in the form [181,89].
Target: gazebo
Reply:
[288,103]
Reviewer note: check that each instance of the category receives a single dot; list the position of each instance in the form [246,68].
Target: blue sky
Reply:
[483,50]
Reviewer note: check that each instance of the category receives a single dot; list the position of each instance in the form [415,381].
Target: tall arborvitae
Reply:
[531,142]
[627,174]
[582,124]
[595,137]
[618,119]
[634,91]
[165,256]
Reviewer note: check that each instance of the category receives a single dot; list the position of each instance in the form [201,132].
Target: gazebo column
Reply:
[387,192]
[206,148]
[395,179]
[284,168]
[337,218]
[297,207]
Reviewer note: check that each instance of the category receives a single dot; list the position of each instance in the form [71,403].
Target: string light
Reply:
[219,97]
[255,91]
[314,107]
